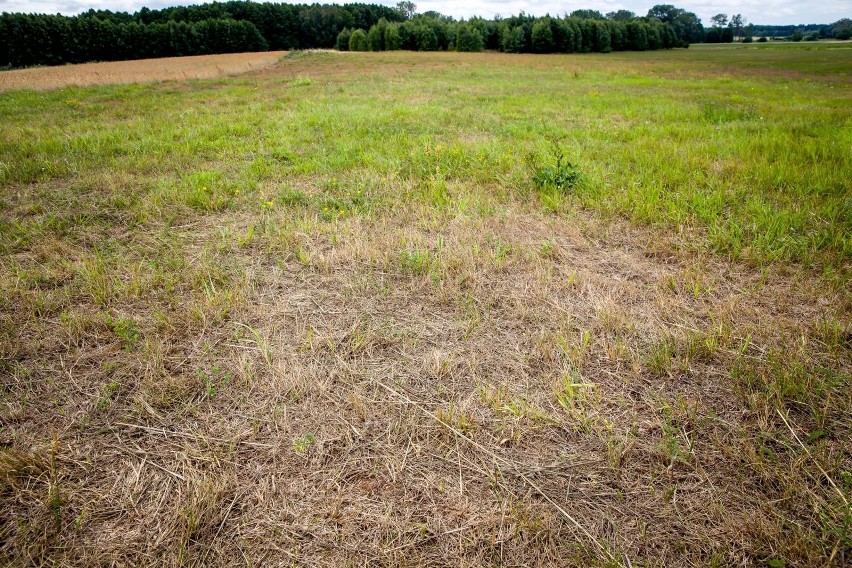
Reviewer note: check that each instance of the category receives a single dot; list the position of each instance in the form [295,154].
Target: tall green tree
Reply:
[393,39]
[342,43]
[406,9]
[719,20]
[587,15]
[513,39]
[358,41]
[376,35]
[542,37]
[737,24]
[621,15]
[468,38]
[686,25]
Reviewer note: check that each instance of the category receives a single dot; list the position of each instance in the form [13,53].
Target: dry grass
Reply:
[420,384]
[141,71]
[350,411]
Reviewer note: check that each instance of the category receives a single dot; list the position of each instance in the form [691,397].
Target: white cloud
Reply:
[757,11]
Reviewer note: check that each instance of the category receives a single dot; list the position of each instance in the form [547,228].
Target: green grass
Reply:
[759,163]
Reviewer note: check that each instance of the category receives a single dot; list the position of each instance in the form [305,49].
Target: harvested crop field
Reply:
[140,71]
[431,309]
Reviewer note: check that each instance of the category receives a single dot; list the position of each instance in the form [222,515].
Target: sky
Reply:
[755,11]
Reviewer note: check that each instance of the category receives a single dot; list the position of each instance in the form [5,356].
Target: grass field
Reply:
[432,309]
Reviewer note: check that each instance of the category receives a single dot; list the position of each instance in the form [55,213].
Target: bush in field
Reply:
[343,40]
[719,35]
[561,176]
[762,39]
[748,39]
[468,38]
[358,41]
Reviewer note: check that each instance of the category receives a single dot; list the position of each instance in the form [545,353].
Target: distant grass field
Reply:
[138,71]
[355,309]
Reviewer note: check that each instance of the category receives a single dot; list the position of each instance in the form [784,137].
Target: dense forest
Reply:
[218,27]
[517,34]
[235,26]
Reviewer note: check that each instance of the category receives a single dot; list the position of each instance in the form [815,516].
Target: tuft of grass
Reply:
[301,81]
[125,329]
[559,177]
[302,445]
[415,261]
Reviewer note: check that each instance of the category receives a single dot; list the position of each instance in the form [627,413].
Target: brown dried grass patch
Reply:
[139,71]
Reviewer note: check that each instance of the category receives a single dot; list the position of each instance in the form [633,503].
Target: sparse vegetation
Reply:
[432,309]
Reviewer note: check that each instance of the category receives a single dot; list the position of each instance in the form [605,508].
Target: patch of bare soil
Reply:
[139,71]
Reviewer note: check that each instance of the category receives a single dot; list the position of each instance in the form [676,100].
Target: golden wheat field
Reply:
[140,71]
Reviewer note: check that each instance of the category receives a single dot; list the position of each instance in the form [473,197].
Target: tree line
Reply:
[577,33]
[235,26]
[841,29]
[238,25]
[217,27]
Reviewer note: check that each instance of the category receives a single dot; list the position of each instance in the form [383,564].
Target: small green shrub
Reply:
[301,445]
[562,176]
[214,381]
[125,329]
[415,261]
[293,198]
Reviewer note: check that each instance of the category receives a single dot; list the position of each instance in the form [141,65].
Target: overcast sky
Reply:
[755,11]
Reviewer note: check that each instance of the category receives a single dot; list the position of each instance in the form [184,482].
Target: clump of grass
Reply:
[214,380]
[415,260]
[301,81]
[560,176]
[455,419]
[787,382]
[302,444]
[125,329]
[107,396]
[17,466]
[293,198]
